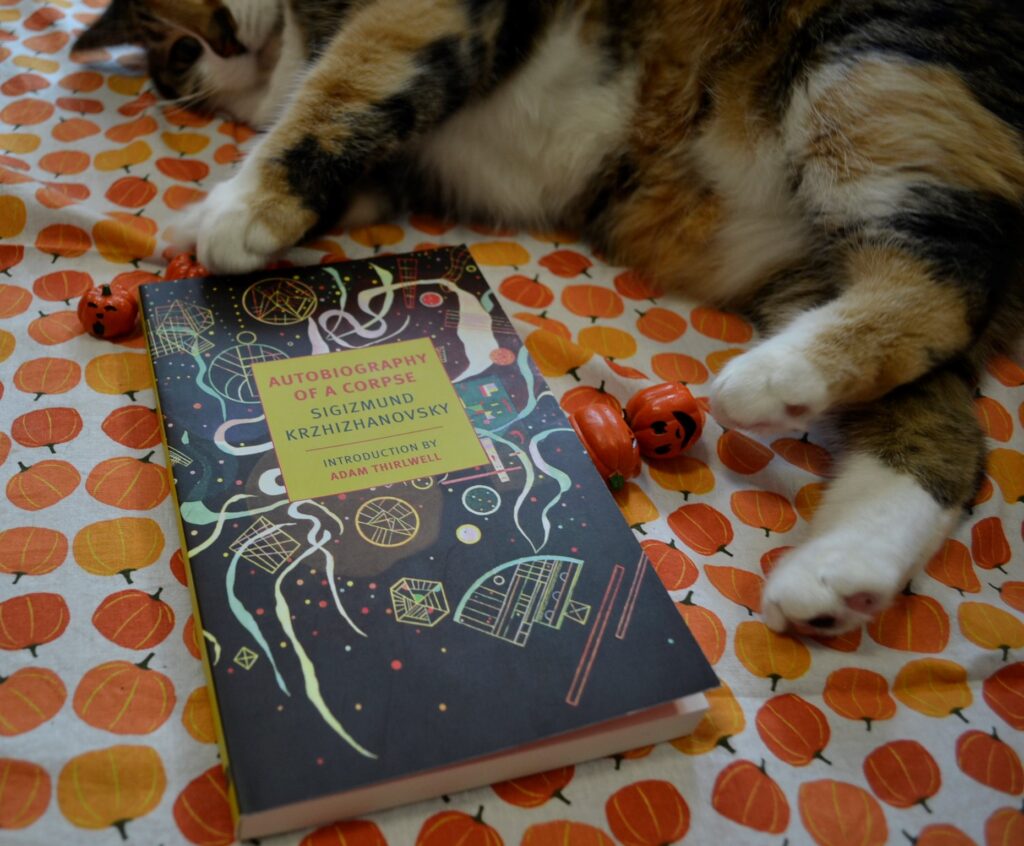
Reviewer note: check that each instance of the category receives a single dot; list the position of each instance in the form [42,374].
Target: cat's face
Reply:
[202,53]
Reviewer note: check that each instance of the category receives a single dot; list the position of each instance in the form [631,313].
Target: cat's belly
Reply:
[531,148]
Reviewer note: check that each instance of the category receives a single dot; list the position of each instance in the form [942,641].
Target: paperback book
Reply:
[409,577]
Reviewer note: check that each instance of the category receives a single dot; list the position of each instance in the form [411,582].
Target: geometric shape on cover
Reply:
[507,600]
[387,521]
[279,301]
[271,551]
[245,658]
[419,602]
[481,500]
[230,372]
[178,327]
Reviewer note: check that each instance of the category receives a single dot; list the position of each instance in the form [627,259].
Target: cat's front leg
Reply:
[913,461]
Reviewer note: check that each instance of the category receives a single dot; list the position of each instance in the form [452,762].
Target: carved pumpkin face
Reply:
[666,420]
[107,312]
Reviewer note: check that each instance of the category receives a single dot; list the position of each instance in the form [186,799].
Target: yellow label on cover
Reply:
[346,421]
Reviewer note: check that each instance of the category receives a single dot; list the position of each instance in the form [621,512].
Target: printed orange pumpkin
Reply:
[902,773]
[678,367]
[535,790]
[647,813]
[202,811]
[770,560]
[119,546]
[682,473]
[62,285]
[377,235]
[746,794]
[839,814]
[565,833]
[1012,593]
[942,834]
[528,292]
[705,627]
[1004,693]
[42,376]
[994,418]
[720,325]
[793,729]
[57,195]
[566,263]
[1006,370]
[665,418]
[609,443]
[989,545]
[702,528]
[542,321]
[31,551]
[123,133]
[1004,827]
[635,286]
[990,627]
[124,157]
[125,698]
[608,342]
[660,324]
[952,566]
[808,499]
[674,567]
[934,687]
[739,586]
[805,455]
[989,760]
[55,328]
[41,485]
[32,620]
[134,619]
[47,427]
[592,301]
[1006,467]
[765,510]
[177,565]
[134,484]
[64,162]
[556,356]
[133,426]
[10,256]
[197,717]
[636,507]
[723,719]
[913,623]
[29,697]
[13,300]
[742,454]
[769,655]
[347,833]
[859,694]
[125,238]
[449,827]
[184,170]
[74,129]
[24,793]
[111,787]
[62,240]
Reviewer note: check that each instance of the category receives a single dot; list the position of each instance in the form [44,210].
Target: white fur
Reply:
[776,386]
[872,532]
[530,148]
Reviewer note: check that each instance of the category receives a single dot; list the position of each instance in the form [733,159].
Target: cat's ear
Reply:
[210,20]
[114,27]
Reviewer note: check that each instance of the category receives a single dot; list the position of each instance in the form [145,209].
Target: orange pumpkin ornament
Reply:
[1004,693]
[578,398]
[858,694]
[31,551]
[134,619]
[665,418]
[934,687]
[130,483]
[609,443]
[449,827]
[41,485]
[793,729]
[185,266]
[108,312]
[746,794]
[47,427]
[32,620]
[769,655]
[989,627]
[902,773]
[111,787]
[535,790]
[702,528]
[723,719]
[29,697]
[742,454]
[565,833]
[647,813]
[705,626]
[674,567]
[839,814]
[347,833]
[202,811]
[125,698]
[913,623]
[989,760]
[24,793]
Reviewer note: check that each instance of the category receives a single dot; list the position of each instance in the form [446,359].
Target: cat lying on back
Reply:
[851,173]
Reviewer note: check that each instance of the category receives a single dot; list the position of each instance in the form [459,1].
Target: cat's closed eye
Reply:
[184,53]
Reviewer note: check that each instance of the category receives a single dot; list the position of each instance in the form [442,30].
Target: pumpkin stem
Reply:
[130,395]
[105,291]
[558,795]
[959,713]
[572,372]
[638,527]
[127,576]
[32,650]
[156,595]
[686,496]
[479,817]
[616,481]
[767,533]
[22,468]
[687,600]
[804,438]
[762,768]
[144,663]
[907,591]
[723,549]
[51,449]
[821,757]
[924,804]
[120,824]
[775,680]
[16,577]
[909,837]
[1006,654]
[446,798]
[994,735]
[724,743]
[867,721]
[147,456]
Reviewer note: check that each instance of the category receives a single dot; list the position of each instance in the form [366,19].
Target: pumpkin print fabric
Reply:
[909,730]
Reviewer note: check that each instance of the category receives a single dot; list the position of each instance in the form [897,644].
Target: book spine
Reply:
[189,578]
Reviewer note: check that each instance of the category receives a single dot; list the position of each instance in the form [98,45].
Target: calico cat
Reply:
[849,172]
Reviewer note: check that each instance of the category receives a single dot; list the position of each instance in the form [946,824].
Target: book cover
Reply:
[401,557]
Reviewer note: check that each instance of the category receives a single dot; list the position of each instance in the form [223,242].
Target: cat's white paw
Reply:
[828,587]
[772,388]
